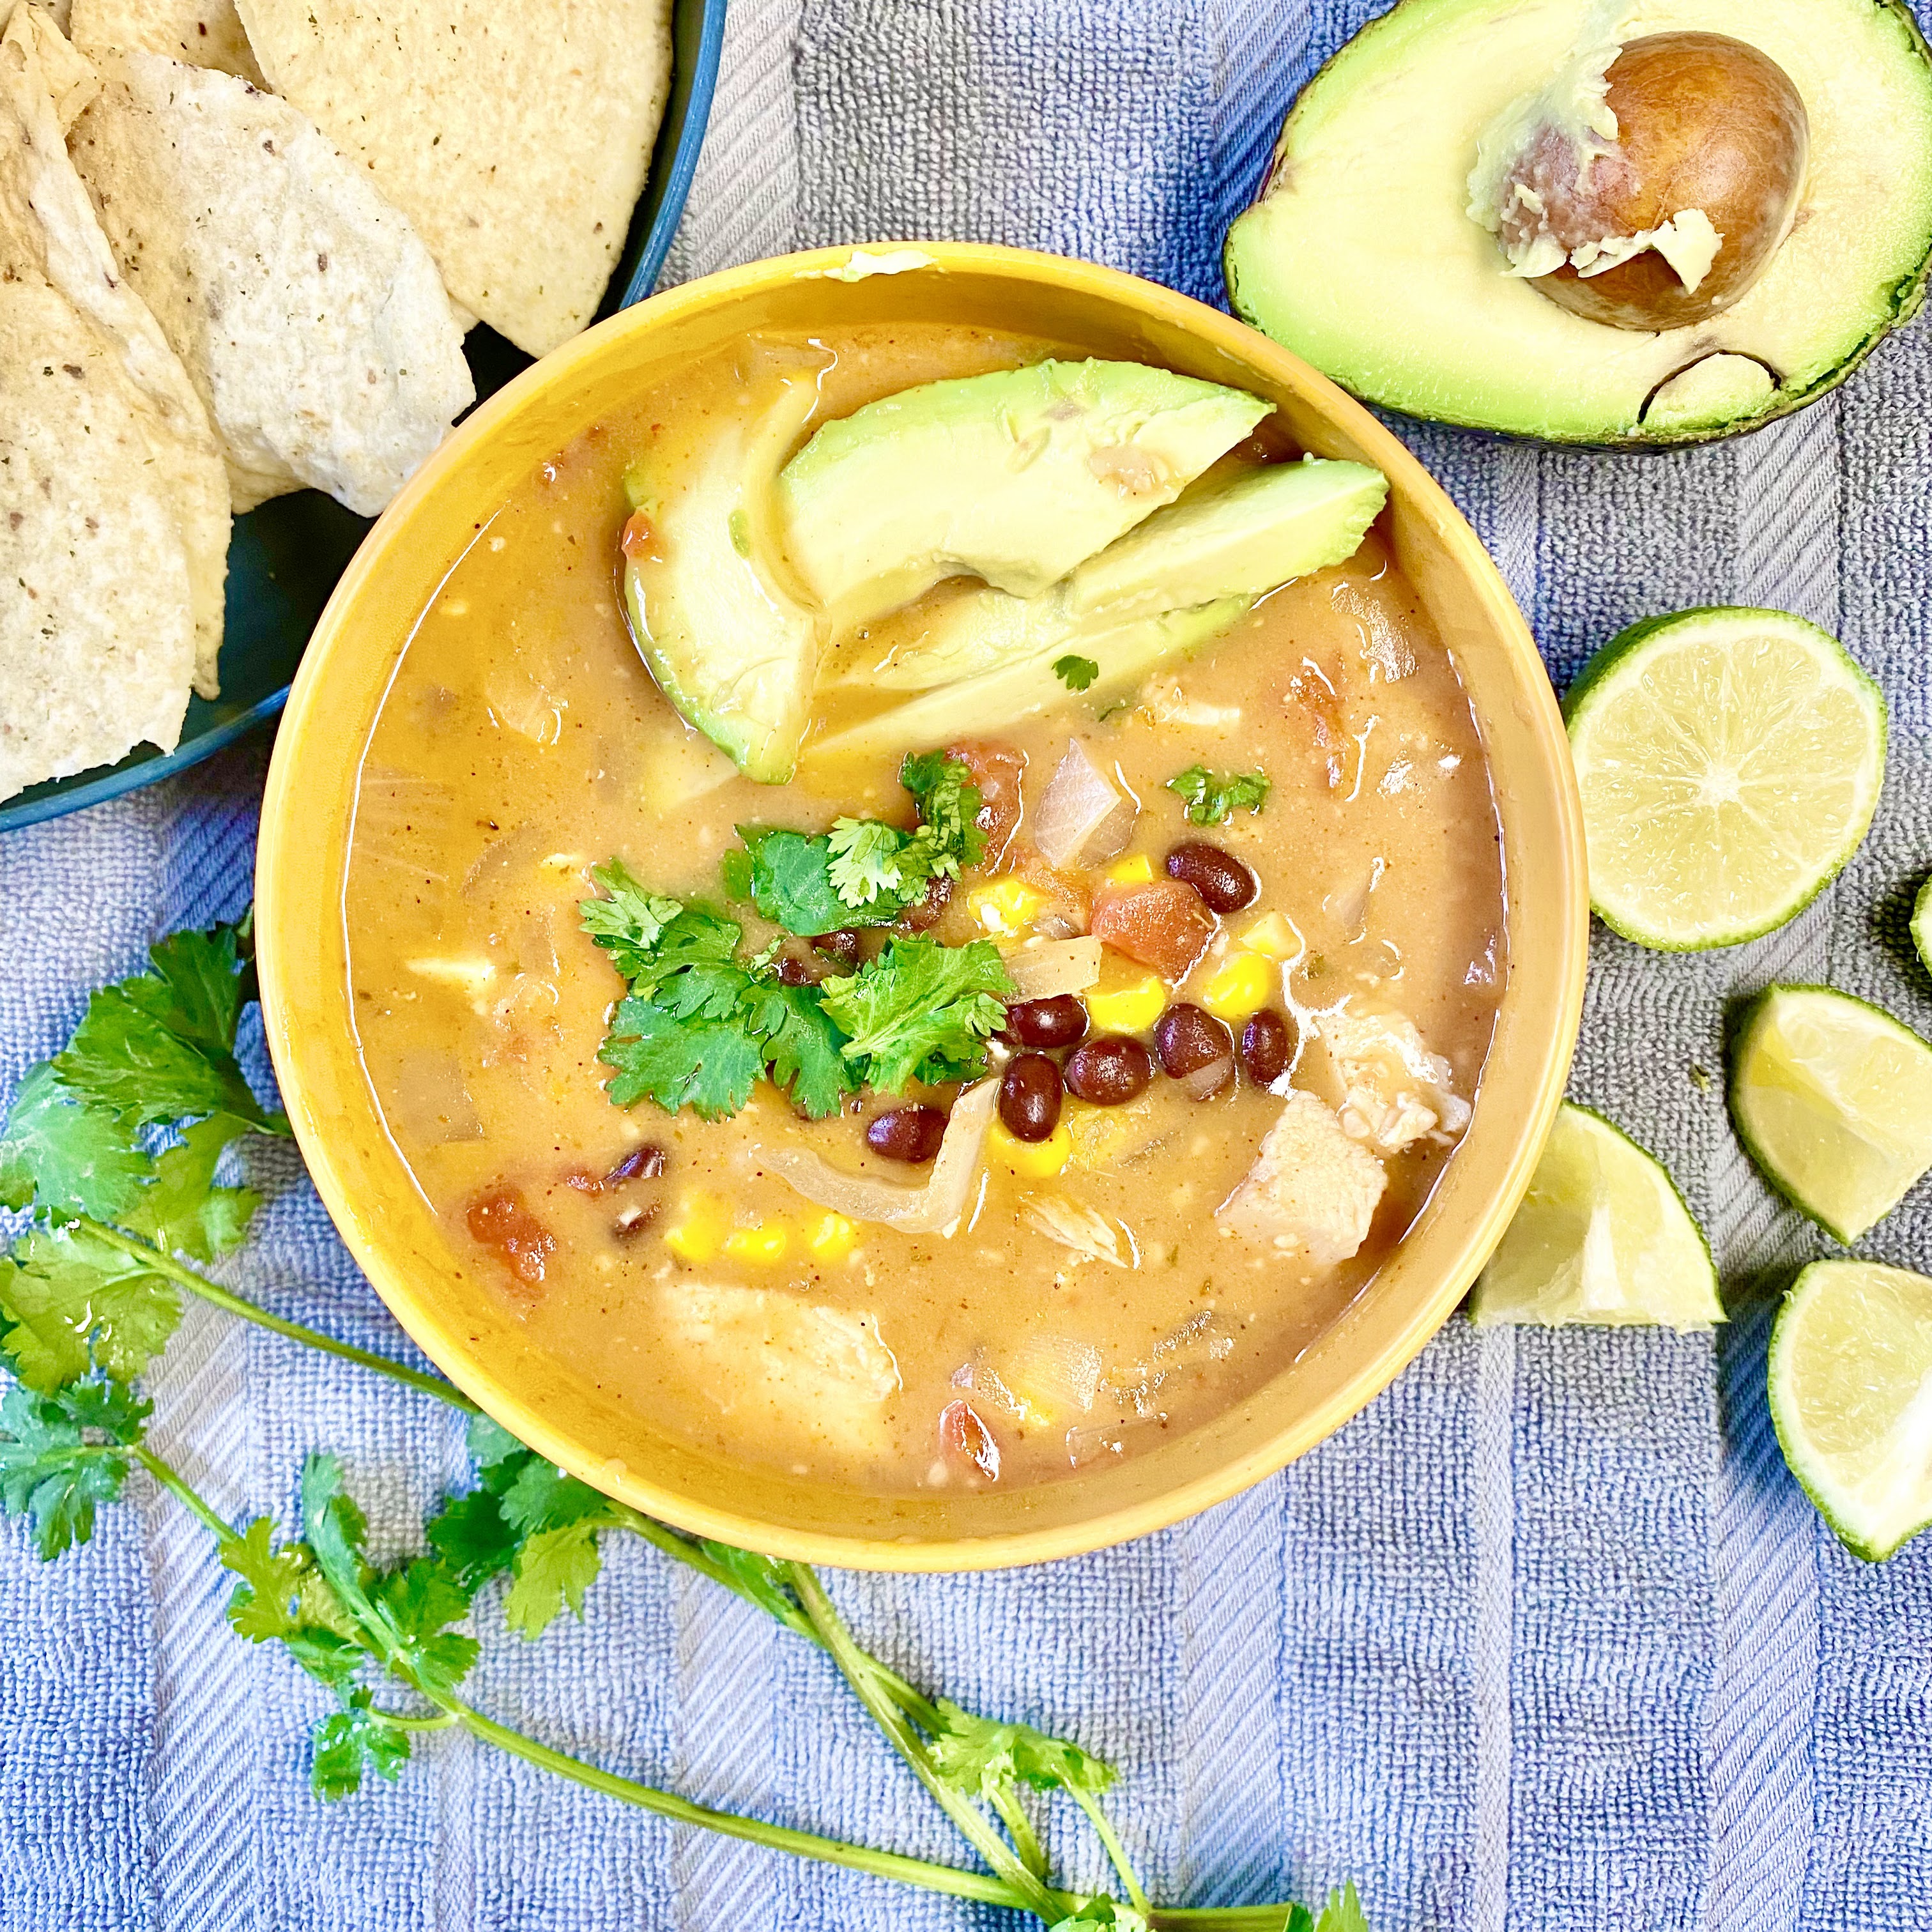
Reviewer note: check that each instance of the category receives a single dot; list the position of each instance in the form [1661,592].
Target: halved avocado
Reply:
[1014,476]
[1361,254]
[731,641]
[1233,536]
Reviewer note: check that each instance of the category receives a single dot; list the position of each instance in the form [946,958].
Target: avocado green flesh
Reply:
[1014,476]
[1228,536]
[997,698]
[729,643]
[1360,255]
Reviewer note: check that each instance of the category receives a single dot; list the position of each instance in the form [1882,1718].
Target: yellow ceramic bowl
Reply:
[389,1228]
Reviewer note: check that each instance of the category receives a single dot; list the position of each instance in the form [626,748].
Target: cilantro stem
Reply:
[184,1492]
[153,1258]
[398,1720]
[1019,1828]
[1103,1830]
[863,1674]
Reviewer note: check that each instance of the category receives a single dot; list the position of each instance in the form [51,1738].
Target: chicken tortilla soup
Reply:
[925,908]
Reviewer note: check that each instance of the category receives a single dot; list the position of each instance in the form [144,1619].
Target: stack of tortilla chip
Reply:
[211,293]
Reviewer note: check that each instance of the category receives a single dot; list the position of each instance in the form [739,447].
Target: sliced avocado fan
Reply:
[1181,578]
[1014,476]
[1361,254]
[728,640]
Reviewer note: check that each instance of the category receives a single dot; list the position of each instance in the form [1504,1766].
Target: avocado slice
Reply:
[997,698]
[731,641]
[1014,476]
[1362,256]
[1231,535]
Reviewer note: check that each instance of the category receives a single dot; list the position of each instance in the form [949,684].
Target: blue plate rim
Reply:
[120,779]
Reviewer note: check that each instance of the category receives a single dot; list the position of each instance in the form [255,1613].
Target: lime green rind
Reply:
[1922,926]
[1483,1313]
[1751,1017]
[1612,657]
[1907,296]
[1811,1280]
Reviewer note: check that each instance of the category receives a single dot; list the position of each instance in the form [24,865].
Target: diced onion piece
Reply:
[1054,967]
[1084,818]
[924,1210]
[1204,1082]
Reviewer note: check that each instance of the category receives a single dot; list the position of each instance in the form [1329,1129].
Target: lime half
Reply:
[1603,1236]
[1851,1394]
[1921,925]
[1729,761]
[1832,1098]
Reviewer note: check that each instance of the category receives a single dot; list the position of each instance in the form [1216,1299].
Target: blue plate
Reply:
[283,558]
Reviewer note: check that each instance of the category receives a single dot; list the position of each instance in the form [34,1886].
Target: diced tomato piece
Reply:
[1164,924]
[500,1222]
[1072,902]
[639,539]
[997,770]
[966,1441]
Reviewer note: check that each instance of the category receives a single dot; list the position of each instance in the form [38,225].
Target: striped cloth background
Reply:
[1546,1639]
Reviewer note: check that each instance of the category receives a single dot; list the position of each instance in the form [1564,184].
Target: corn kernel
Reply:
[1006,907]
[1273,936]
[1132,1008]
[830,1237]
[703,1222]
[1138,871]
[761,1243]
[1244,984]
[1035,1160]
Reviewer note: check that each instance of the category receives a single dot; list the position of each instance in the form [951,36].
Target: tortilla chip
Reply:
[517,147]
[71,80]
[97,631]
[48,233]
[311,318]
[199,33]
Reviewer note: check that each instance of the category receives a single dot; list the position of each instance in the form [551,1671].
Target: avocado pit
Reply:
[1662,201]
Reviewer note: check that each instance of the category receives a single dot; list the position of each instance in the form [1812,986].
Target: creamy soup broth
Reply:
[523,742]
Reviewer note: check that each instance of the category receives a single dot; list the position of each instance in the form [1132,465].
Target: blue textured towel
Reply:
[1546,1639]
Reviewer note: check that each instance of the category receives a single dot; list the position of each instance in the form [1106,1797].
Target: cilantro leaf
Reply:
[710,1067]
[948,805]
[789,880]
[864,861]
[1076,673]
[71,1301]
[554,1567]
[417,1604]
[160,1046]
[183,1208]
[493,1450]
[60,1153]
[348,1740]
[1102,1915]
[282,1598]
[976,1754]
[1211,797]
[920,1010]
[627,920]
[1343,1912]
[802,1049]
[61,1455]
[473,1537]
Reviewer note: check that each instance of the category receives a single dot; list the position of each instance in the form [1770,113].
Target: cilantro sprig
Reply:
[117,1173]
[1211,797]
[1076,673]
[920,1011]
[863,871]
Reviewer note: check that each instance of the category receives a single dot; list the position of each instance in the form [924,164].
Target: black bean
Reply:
[1265,1047]
[1030,1096]
[907,1133]
[842,945]
[795,972]
[643,1163]
[1221,879]
[1109,1070]
[1059,1021]
[1186,1038]
[916,918]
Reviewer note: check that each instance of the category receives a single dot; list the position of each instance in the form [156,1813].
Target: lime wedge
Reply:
[1921,925]
[1729,761]
[1851,1394]
[1603,1236]
[1832,1098]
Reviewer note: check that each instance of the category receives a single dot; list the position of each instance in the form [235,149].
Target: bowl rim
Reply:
[277,861]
